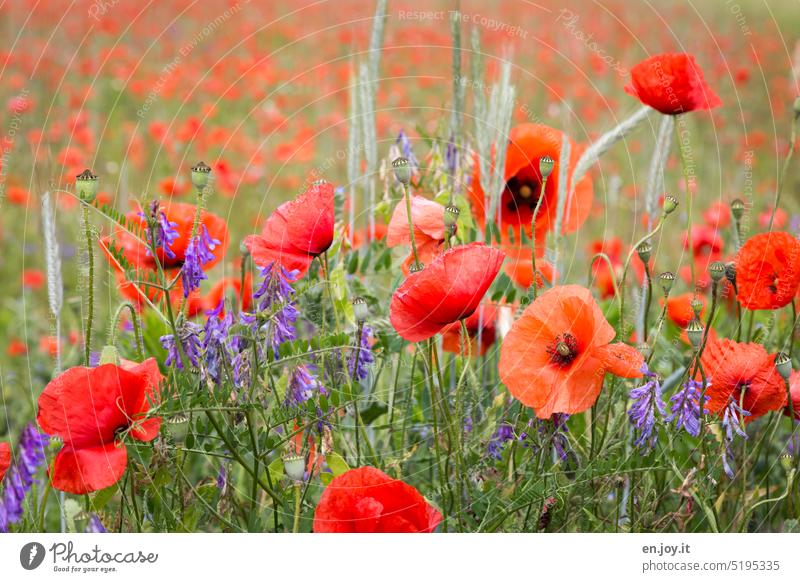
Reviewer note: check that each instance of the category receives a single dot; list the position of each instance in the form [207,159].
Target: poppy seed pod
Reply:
[717,271]
[416,267]
[450,216]
[360,309]
[695,331]
[402,170]
[670,204]
[697,307]
[86,185]
[667,279]
[294,466]
[178,426]
[200,175]
[783,364]
[737,208]
[546,165]
[644,251]
[787,462]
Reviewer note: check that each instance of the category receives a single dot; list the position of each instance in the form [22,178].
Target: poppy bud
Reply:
[244,250]
[670,204]
[450,216]
[546,165]
[86,185]
[200,174]
[109,355]
[360,309]
[294,466]
[667,279]
[737,208]
[697,307]
[717,271]
[783,364]
[402,170]
[695,332]
[787,462]
[644,250]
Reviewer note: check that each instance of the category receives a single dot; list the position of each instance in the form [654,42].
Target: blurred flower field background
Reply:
[399,266]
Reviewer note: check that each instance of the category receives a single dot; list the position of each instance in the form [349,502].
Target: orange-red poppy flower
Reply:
[297,232]
[428,220]
[446,291]
[768,270]
[744,372]
[794,388]
[528,143]
[480,323]
[366,500]
[519,266]
[218,291]
[556,355]
[5,459]
[91,409]
[672,84]
[679,308]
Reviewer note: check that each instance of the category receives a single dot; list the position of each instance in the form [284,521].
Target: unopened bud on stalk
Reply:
[787,462]
[670,204]
[783,364]
[109,355]
[546,165]
[737,208]
[644,251]
[695,332]
[360,309]
[717,271]
[450,216]
[295,467]
[697,307]
[200,175]
[86,185]
[667,279]
[402,170]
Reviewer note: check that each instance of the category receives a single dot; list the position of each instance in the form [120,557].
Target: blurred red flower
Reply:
[794,388]
[32,279]
[768,270]
[481,322]
[221,287]
[366,500]
[679,308]
[5,459]
[428,220]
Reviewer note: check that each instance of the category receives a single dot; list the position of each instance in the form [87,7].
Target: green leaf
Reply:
[336,463]
[99,500]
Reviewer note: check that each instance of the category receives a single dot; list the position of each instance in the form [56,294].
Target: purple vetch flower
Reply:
[451,157]
[685,407]
[198,253]
[222,478]
[275,298]
[732,424]
[165,230]
[95,525]
[188,339]
[553,432]
[405,148]
[303,384]
[648,406]
[365,357]
[503,434]
[216,342]
[20,477]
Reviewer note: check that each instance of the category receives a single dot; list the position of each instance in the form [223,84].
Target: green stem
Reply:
[297,505]
[784,170]
[534,290]
[407,196]
[137,331]
[90,303]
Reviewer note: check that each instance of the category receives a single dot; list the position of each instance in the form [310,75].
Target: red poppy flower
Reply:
[794,388]
[519,266]
[768,270]
[366,500]
[528,143]
[297,231]
[16,347]
[718,215]
[556,354]
[5,459]
[679,308]
[223,286]
[738,370]
[447,290]
[672,84]
[91,409]
[481,322]
[32,279]
[428,221]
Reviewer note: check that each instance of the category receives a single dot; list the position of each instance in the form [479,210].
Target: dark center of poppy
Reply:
[774,286]
[563,349]
[521,193]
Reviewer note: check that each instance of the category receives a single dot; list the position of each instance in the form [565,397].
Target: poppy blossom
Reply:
[528,143]
[794,388]
[428,222]
[5,459]
[672,84]
[744,373]
[224,286]
[91,409]
[297,232]
[480,326]
[556,354]
[519,265]
[679,308]
[447,290]
[768,270]
[366,500]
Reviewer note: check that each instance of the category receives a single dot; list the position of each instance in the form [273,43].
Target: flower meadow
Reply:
[399,267]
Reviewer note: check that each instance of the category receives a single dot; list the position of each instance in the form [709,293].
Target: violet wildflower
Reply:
[162,228]
[222,479]
[553,433]
[188,340]
[303,384]
[277,296]
[451,157]
[20,477]
[216,343]
[497,443]
[365,357]
[685,407]
[648,407]
[95,525]
[405,148]
[732,424]
[198,253]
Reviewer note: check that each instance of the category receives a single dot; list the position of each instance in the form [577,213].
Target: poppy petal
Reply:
[84,470]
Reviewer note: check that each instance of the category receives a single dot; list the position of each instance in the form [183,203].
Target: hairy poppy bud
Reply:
[737,208]
[644,251]
[200,174]
[783,364]
[670,204]
[402,170]
[667,279]
[294,466]
[86,185]
[360,309]
[109,355]
[695,332]
[716,270]
[546,165]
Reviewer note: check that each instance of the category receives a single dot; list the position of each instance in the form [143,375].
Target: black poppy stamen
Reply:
[563,350]
[523,193]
